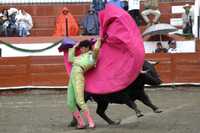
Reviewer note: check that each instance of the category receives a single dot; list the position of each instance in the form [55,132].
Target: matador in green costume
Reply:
[81,64]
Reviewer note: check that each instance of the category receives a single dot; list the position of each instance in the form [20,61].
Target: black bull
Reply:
[135,91]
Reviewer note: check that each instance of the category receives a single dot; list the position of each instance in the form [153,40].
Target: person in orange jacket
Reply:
[66,25]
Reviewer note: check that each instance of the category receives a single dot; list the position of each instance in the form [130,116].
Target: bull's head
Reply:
[149,73]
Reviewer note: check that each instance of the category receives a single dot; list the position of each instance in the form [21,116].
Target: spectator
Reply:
[12,27]
[115,2]
[24,22]
[196,25]
[188,19]
[66,25]
[160,48]
[4,22]
[124,4]
[98,5]
[120,3]
[172,47]
[151,7]
[1,23]
[134,11]
[90,23]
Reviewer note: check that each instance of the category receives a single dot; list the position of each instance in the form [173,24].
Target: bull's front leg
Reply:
[101,108]
[146,100]
[133,106]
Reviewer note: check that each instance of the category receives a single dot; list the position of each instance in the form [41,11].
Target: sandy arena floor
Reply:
[44,111]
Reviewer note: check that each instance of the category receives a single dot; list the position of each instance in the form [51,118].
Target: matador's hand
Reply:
[76,45]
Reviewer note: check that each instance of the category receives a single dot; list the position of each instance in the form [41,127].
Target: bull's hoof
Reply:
[139,115]
[73,123]
[158,111]
[117,122]
[80,127]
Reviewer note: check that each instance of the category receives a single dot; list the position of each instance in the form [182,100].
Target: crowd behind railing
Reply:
[18,22]
[67,1]
[15,22]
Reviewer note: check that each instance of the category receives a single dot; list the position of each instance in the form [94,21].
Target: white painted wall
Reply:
[9,52]
[182,46]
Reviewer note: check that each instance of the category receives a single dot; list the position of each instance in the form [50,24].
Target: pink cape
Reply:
[121,56]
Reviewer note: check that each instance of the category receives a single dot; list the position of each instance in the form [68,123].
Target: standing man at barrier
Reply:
[196,26]
[98,5]
[188,18]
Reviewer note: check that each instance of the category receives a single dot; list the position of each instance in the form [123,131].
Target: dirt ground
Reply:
[44,111]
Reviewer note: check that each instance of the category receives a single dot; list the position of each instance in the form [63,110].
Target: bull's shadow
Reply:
[135,91]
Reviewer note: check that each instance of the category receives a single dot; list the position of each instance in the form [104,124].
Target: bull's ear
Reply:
[153,62]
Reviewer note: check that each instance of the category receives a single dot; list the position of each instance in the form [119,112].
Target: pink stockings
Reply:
[80,121]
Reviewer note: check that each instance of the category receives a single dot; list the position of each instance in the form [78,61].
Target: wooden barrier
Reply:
[14,71]
[49,9]
[178,68]
[198,45]
[164,67]
[189,72]
[37,71]
[47,71]
[50,70]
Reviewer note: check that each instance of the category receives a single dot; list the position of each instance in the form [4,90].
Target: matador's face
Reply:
[84,49]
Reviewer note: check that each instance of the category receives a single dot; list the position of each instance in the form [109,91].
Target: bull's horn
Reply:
[153,62]
[143,71]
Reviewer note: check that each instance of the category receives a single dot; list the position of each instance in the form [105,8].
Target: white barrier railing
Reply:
[42,1]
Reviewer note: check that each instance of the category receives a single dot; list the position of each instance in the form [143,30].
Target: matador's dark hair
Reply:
[85,43]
